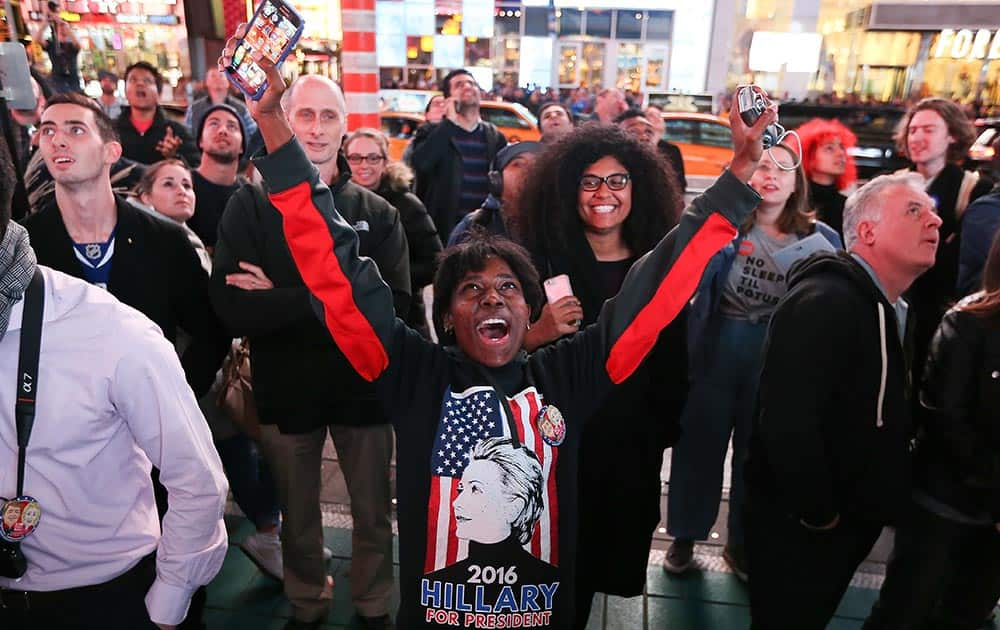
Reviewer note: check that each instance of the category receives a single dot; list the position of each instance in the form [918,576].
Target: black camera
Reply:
[751,105]
[13,564]
[53,5]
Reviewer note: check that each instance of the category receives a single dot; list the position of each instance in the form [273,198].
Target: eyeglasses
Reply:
[615,181]
[371,158]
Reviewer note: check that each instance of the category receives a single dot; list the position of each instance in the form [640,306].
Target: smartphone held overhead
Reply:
[273,31]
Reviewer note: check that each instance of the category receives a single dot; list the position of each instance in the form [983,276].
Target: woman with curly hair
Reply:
[598,201]
[829,167]
[728,320]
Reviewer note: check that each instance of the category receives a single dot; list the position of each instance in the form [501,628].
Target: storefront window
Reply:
[953,79]
[629,67]
[419,50]
[477,51]
[570,21]
[629,24]
[448,23]
[592,65]
[656,67]
[659,25]
[599,23]
[568,64]
[882,84]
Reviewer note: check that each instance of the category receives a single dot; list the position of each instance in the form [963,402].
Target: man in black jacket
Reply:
[145,133]
[452,158]
[829,460]
[91,233]
[304,386]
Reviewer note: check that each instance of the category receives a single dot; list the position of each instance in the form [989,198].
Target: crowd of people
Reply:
[844,338]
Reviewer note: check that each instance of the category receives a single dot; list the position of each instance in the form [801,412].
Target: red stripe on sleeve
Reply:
[312,249]
[673,293]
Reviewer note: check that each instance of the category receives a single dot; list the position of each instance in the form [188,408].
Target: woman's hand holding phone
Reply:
[558,319]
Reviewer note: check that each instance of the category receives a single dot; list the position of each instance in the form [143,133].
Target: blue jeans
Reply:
[720,403]
[249,479]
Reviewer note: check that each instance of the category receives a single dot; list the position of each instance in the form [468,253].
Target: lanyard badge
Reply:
[20,517]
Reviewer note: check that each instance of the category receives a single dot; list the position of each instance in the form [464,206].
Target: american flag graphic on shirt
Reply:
[467,418]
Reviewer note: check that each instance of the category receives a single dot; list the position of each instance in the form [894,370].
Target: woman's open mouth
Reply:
[493,330]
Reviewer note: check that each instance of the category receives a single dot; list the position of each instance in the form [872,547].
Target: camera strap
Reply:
[27,368]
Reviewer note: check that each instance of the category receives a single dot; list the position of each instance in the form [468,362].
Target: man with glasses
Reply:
[304,386]
[147,136]
[452,158]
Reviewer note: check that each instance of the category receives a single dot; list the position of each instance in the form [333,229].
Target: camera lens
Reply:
[53,5]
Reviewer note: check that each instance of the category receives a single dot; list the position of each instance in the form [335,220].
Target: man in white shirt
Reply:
[111,401]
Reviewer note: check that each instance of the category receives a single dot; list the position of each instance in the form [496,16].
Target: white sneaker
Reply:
[265,551]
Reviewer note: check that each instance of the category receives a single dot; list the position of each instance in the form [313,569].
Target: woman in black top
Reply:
[444,401]
[367,151]
[598,201]
[829,167]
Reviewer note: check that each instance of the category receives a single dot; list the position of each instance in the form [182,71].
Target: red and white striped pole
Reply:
[358,60]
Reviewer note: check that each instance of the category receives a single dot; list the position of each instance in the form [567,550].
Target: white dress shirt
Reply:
[111,398]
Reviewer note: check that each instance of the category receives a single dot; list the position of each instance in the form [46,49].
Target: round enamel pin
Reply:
[20,517]
[551,425]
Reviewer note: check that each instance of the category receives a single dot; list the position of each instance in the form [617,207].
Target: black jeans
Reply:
[117,604]
[942,575]
[799,576]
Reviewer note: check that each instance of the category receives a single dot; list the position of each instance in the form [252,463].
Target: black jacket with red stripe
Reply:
[442,406]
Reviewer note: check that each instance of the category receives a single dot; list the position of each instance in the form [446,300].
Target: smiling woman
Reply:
[447,404]
[599,200]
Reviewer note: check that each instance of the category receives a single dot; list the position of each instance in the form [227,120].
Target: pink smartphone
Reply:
[557,287]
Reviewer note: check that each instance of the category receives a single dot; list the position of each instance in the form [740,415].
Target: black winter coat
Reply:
[438,165]
[302,381]
[421,236]
[832,429]
[156,271]
[958,458]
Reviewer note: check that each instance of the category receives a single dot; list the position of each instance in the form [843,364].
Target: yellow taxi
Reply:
[399,127]
[515,121]
[705,141]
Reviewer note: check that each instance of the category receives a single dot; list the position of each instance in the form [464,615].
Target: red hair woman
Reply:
[829,167]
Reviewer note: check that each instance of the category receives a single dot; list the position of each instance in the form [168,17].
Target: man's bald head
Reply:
[317,83]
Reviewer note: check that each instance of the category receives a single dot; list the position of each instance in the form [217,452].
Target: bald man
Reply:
[303,385]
